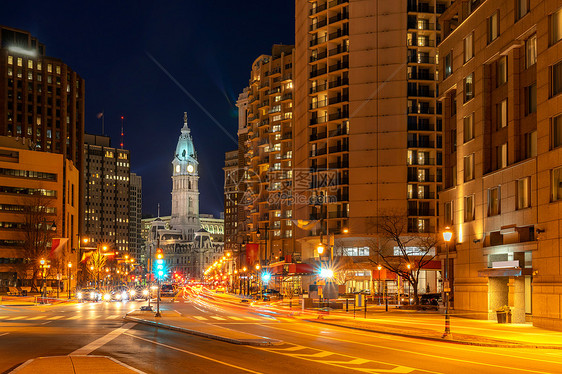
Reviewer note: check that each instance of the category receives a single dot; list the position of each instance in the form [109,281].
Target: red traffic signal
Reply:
[159,254]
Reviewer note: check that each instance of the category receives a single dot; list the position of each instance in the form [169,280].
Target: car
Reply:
[167,290]
[432,299]
[88,294]
[119,294]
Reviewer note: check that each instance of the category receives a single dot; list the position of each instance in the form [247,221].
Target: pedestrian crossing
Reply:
[92,317]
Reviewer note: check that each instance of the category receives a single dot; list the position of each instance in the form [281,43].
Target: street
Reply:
[98,329]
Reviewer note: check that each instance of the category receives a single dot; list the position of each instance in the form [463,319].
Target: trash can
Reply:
[502,317]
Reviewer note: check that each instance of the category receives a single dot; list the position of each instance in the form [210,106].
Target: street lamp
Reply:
[379,268]
[447,236]
[69,267]
[42,262]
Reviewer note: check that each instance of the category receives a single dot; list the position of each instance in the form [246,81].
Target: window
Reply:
[501,110]
[469,87]
[494,201]
[468,127]
[469,208]
[453,141]
[448,61]
[493,27]
[557,184]
[448,214]
[469,167]
[469,47]
[501,156]
[555,23]
[531,144]
[531,99]
[556,79]
[523,193]
[556,131]
[501,76]
[522,8]
[531,51]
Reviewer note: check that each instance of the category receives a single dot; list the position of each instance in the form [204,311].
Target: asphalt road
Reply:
[97,328]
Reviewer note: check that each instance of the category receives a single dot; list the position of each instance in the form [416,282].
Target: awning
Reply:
[432,265]
[505,272]
[290,269]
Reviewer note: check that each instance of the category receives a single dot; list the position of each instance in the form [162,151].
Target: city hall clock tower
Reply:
[185,185]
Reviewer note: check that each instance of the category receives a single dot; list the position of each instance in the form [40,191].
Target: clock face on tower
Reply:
[177,168]
[190,168]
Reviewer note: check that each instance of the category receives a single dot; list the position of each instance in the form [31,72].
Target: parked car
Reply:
[167,290]
[88,294]
[431,300]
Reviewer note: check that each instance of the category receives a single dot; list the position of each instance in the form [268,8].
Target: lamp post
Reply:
[447,236]
[42,262]
[69,267]
[379,268]
[409,296]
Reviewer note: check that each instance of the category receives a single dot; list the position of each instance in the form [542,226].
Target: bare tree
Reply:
[38,216]
[401,252]
[96,263]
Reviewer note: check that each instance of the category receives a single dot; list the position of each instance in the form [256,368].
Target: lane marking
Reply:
[2,317]
[93,317]
[191,353]
[200,318]
[15,318]
[6,333]
[406,351]
[55,317]
[253,318]
[219,318]
[236,318]
[89,348]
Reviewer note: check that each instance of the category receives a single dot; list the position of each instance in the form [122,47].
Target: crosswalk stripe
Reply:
[236,318]
[219,318]
[200,318]
[55,317]
[14,318]
[38,317]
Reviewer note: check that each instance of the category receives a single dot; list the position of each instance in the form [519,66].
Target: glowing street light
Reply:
[447,236]
[326,273]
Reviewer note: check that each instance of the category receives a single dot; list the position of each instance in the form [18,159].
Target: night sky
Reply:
[208,46]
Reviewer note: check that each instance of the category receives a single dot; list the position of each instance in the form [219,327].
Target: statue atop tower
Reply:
[185,185]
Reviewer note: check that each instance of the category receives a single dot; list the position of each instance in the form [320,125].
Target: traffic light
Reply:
[159,262]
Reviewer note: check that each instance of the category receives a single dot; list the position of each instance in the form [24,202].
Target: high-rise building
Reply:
[367,122]
[107,187]
[135,215]
[42,98]
[231,199]
[38,202]
[265,141]
[501,89]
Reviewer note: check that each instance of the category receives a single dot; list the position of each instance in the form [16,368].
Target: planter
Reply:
[503,316]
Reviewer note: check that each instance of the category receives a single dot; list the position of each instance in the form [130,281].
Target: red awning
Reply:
[291,269]
[432,265]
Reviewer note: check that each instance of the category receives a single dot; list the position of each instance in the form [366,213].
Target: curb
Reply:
[507,344]
[28,362]
[251,342]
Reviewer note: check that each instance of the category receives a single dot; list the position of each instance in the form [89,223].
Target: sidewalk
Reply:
[172,320]
[430,325]
[74,365]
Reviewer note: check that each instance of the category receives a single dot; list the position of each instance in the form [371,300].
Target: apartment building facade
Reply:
[135,216]
[500,91]
[266,144]
[367,122]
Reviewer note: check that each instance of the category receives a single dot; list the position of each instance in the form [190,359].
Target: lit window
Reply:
[469,47]
[501,76]
[10,60]
[523,193]
[288,115]
[501,156]
[20,61]
[469,167]
[469,208]
[448,62]
[522,8]
[493,27]
[10,72]
[49,68]
[556,131]
[277,98]
[557,184]
[555,21]
[39,66]
[501,110]
[469,87]
[57,69]
[531,99]
[494,206]
[531,51]
[30,64]
[556,79]
[468,127]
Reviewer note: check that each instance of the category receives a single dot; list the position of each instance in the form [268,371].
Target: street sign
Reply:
[360,300]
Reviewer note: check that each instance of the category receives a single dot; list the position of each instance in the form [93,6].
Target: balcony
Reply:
[338,99]
[287,135]
[338,34]
[339,148]
[342,196]
[317,120]
[338,82]
[421,76]
[318,88]
[318,40]
[318,72]
[264,84]
[318,152]
[338,17]
[336,116]
[318,9]
[421,93]
[339,131]
[344,164]
[422,196]
[339,49]
[421,161]
[421,59]
[421,110]
[421,178]
[319,56]
[317,136]
[337,215]
[287,96]
[422,229]
[263,104]
[319,104]
[318,25]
